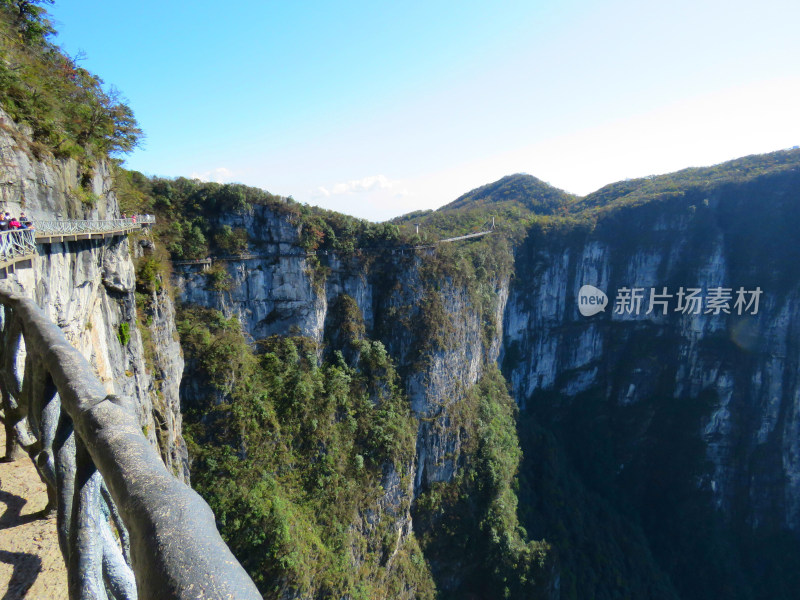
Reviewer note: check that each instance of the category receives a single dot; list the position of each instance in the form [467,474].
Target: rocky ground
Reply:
[31,566]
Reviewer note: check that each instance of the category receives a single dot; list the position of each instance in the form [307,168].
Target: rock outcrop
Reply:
[281,290]
[87,287]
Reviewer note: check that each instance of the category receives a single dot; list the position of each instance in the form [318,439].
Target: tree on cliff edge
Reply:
[31,19]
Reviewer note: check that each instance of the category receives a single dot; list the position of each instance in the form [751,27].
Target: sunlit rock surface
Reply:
[87,288]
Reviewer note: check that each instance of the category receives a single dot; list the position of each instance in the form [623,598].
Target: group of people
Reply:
[7,222]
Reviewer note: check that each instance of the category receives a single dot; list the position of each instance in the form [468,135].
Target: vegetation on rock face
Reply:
[69,111]
[468,526]
[293,457]
[124,333]
[190,214]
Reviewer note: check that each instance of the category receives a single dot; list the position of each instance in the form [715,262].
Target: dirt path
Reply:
[31,566]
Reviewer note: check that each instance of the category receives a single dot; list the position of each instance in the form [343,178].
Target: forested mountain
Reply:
[511,200]
[374,415]
[636,431]
[520,190]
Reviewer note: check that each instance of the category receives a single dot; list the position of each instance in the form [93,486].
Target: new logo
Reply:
[591,300]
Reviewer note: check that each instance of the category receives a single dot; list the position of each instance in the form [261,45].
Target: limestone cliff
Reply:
[744,363]
[88,287]
[281,290]
[689,418]
[650,425]
[438,332]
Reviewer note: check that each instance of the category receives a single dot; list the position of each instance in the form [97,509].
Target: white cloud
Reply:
[356,186]
[218,175]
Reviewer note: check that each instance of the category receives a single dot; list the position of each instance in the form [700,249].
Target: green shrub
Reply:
[218,278]
[124,333]
[149,275]
[231,241]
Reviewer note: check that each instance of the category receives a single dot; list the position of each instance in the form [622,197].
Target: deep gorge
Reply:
[638,431]
[373,413]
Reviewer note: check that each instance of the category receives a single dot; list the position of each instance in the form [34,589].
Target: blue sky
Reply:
[380,108]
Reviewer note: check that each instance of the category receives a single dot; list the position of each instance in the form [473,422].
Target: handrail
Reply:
[89,447]
[48,228]
[16,243]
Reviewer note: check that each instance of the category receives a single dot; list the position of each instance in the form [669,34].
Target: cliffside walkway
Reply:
[125,524]
[16,245]
[20,244]
[52,232]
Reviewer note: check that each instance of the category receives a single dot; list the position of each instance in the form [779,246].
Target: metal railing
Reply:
[19,243]
[16,244]
[68,227]
[127,527]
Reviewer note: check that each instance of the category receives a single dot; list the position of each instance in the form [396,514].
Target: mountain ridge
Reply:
[517,201]
[522,189]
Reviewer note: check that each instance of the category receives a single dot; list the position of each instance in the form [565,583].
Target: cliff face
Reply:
[436,336]
[687,420]
[739,370]
[649,425]
[88,287]
[282,291]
